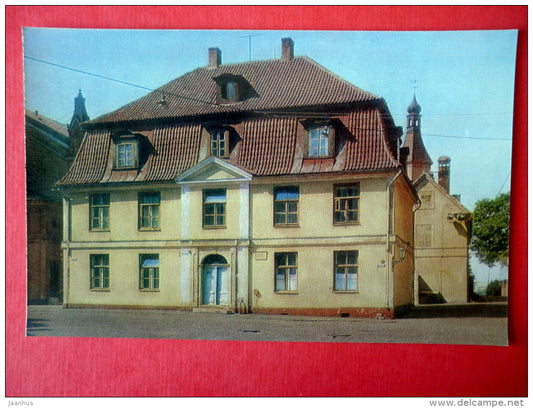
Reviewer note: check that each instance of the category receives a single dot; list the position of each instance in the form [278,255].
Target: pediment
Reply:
[213,170]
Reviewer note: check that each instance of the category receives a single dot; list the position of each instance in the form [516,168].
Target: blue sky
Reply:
[464,81]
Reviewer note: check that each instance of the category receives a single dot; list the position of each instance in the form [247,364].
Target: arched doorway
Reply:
[215,281]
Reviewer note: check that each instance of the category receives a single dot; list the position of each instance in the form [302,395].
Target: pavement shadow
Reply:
[456,310]
[35,325]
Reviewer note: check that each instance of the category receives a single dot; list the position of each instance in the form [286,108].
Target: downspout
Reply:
[416,297]
[390,228]
[66,249]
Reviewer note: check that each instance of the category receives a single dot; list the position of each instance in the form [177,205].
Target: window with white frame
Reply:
[220,143]
[346,265]
[321,140]
[286,265]
[127,146]
[99,212]
[149,272]
[99,271]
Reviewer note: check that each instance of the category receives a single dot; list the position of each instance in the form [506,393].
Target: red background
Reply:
[41,366]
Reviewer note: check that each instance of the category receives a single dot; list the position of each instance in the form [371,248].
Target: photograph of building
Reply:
[265,186]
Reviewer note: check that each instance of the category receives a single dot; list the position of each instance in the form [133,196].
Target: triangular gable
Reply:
[426,178]
[213,170]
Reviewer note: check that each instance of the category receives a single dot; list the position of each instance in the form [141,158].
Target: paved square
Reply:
[483,324]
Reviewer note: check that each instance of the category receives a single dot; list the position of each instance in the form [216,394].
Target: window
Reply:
[100,272]
[220,143]
[286,272]
[318,142]
[233,88]
[214,208]
[125,155]
[286,206]
[126,145]
[149,211]
[149,272]
[228,90]
[346,204]
[346,270]
[99,212]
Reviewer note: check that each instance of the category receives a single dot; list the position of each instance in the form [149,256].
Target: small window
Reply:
[321,141]
[214,208]
[149,211]
[100,272]
[149,272]
[99,212]
[286,272]
[346,271]
[126,145]
[127,155]
[228,90]
[346,204]
[286,206]
[220,143]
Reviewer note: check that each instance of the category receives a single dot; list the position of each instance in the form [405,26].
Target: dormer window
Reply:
[220,143]
[320,139]
[126,155]
[126,150]
[233,88]
[228,91]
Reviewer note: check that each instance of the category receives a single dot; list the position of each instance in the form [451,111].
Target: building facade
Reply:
[47,159]
[267,186]
[50,149]
[442,224]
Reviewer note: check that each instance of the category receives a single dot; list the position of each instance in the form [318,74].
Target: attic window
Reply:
[126,150]
[320,139]
[228,91]
[232,88]
[220,143]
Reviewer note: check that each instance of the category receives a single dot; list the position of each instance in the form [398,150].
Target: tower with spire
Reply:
[418,160]
[75,129]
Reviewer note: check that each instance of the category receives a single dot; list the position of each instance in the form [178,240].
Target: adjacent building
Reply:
[50,149]
[442,224]
[267,186]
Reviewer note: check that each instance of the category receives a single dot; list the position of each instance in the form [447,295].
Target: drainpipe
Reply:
[416,297]
[66,249]
[390,228]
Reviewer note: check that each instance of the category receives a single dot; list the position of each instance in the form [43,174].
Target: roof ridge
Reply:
[338,77]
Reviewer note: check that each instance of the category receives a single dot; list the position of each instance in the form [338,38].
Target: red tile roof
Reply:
[279,84]
[268,146]
[50,123]
[268,125]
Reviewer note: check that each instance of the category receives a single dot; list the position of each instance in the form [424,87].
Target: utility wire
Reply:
[310,114]
[118,81]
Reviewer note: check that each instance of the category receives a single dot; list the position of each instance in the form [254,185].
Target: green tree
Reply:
[494,288]
[490,230]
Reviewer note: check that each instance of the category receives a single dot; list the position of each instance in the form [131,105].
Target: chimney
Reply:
[287,49]
[215,57]
[444,173]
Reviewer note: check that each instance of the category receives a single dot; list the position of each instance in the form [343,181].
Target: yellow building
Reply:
[442,224]
[266,186]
